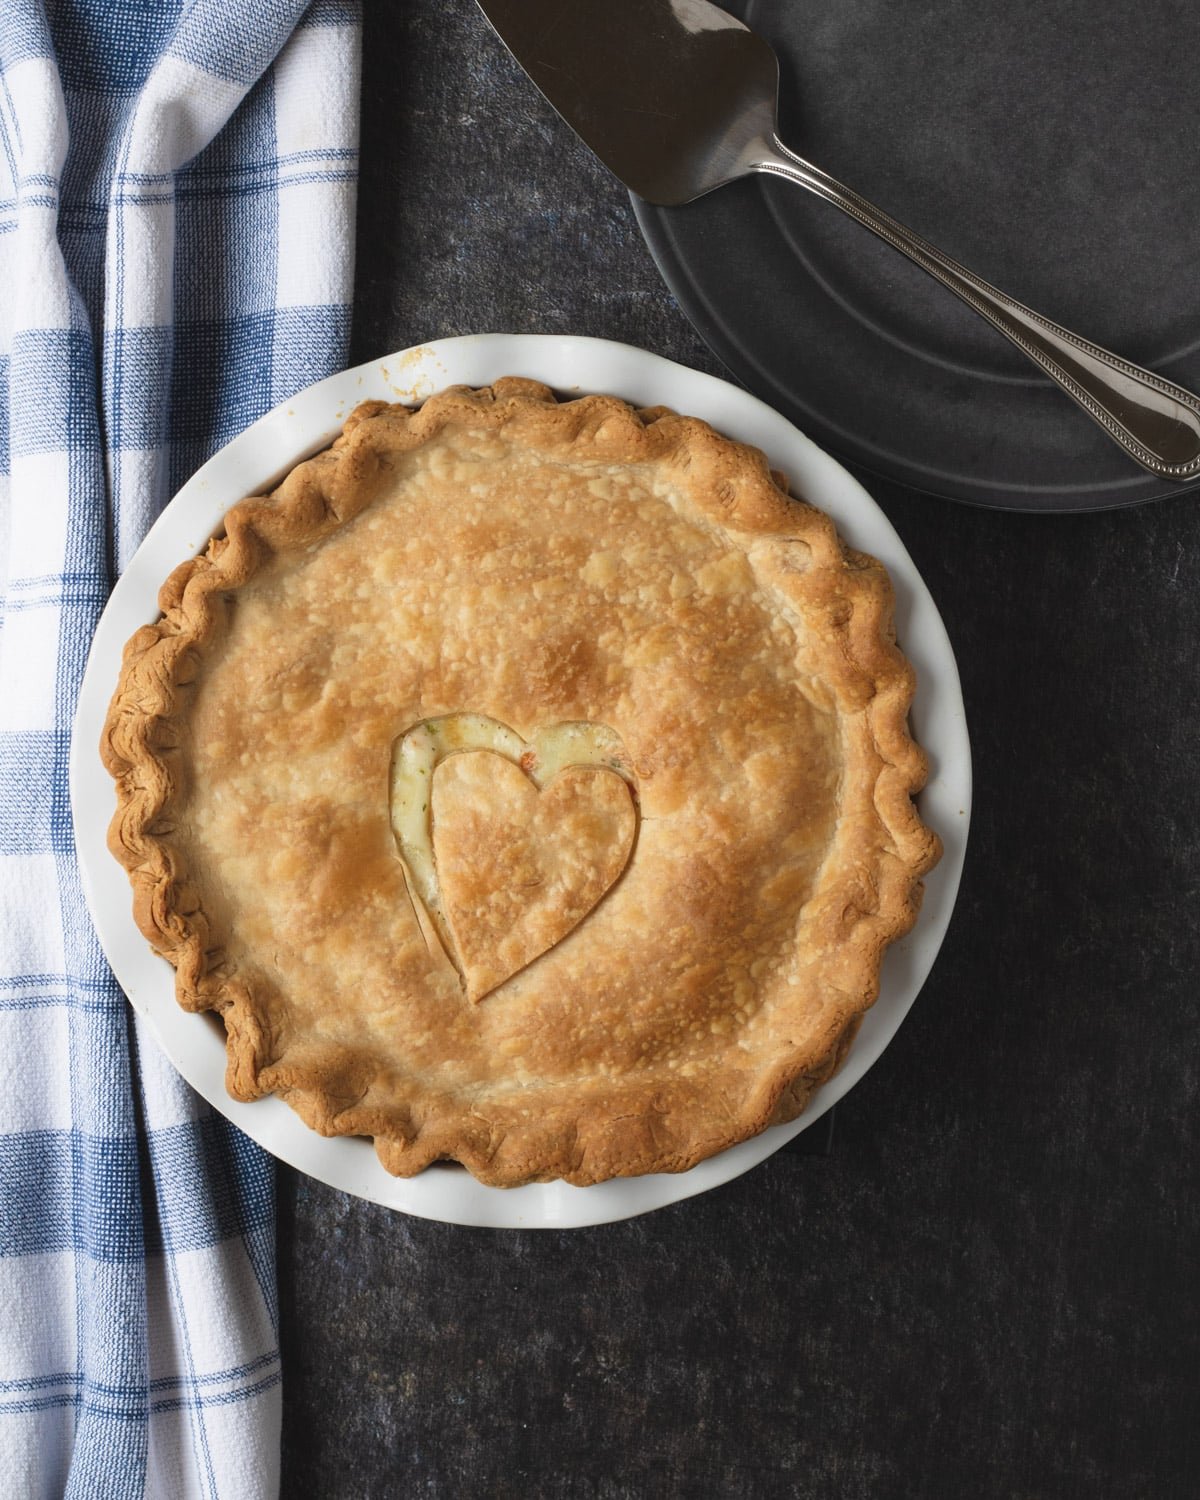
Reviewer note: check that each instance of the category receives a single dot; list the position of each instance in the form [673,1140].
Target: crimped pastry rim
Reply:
[163,911]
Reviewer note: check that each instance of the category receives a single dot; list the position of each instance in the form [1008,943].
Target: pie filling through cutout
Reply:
[508,844]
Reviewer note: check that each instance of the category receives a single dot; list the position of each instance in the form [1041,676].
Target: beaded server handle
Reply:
[1155,422]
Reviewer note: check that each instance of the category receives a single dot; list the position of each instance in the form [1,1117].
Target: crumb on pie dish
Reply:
[525,783]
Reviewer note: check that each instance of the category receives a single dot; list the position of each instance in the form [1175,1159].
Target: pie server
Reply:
[678,97]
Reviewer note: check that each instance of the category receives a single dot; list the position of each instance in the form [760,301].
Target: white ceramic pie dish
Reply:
[307,423]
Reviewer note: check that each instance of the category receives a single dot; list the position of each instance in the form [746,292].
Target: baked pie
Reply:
[525,784]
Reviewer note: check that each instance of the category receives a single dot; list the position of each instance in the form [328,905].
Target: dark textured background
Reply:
[988,1286]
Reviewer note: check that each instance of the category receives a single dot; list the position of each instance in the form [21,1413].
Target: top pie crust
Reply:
[641,962]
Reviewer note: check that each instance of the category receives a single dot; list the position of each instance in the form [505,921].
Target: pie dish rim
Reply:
[457,362]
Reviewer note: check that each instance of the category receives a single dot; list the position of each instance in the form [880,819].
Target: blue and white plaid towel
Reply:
[177,186]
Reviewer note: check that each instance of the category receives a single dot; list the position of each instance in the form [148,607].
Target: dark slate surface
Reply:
[987,1286]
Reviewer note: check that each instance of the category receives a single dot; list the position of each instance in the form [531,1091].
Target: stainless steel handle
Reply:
[1155,422]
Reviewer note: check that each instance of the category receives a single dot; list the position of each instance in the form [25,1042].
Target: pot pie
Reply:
[525,784]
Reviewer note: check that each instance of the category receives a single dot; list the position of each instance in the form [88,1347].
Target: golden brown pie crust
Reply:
[497,552]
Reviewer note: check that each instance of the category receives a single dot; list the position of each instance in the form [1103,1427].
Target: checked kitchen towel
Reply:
[177,184]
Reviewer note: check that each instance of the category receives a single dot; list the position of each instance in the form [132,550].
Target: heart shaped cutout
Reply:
[520,868]
[509,845]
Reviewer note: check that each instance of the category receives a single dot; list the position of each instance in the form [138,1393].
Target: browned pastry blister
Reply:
[622,967]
